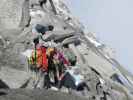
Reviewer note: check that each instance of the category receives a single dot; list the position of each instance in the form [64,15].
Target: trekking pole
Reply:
[35,64]
[35,54]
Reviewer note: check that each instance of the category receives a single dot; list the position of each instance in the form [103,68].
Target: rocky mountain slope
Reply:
[106,78]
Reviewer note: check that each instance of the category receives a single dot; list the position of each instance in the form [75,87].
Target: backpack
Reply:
[70,56]
[38,59]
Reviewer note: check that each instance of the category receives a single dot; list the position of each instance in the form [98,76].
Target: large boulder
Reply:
[14,13]
[13,78]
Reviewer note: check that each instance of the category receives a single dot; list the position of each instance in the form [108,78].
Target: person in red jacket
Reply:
[40,54]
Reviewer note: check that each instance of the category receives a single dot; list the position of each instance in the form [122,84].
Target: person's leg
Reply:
[60,83]
[37,77]
[60,68]
[46,80]
[55,77]
[55,72]
[40,79]
[34,79]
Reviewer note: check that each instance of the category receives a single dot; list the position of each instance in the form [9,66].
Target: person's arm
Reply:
[49,43]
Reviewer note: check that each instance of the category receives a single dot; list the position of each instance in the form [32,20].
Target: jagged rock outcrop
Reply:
[14,13]
[14,18]
[16,37]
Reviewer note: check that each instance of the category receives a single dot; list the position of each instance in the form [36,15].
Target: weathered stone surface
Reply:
[13,78]
[15,17]
[3,85]
[37,94]
[14,13]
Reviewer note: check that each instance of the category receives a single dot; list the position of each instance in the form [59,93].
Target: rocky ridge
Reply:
[17,21]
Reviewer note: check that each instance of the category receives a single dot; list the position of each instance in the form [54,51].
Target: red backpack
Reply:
[39,58]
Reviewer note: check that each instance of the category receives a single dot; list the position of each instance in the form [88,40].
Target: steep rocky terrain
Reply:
[17,21]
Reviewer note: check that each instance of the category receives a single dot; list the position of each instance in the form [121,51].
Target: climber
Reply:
[52,69]
[39,56]
[73,80]
[41,30]
[58,62]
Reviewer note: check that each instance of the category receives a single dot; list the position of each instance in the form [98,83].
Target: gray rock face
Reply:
[13,13]
[14,16]
[37,94]
[2,42]
[13,78]
[3,85]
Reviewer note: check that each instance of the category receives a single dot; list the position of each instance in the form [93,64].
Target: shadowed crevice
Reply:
[3,85]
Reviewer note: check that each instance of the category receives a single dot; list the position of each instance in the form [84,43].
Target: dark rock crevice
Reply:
[3,85]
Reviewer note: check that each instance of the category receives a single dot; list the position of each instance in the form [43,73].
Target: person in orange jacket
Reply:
[40,56]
